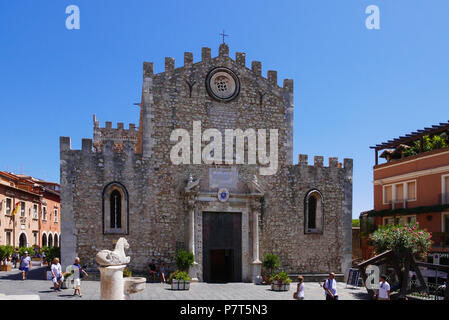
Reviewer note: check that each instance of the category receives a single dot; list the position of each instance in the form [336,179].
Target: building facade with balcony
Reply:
[36,222]
[412,186]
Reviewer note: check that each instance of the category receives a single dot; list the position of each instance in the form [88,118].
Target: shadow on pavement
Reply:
[360,295]
[36,273]
[67,296]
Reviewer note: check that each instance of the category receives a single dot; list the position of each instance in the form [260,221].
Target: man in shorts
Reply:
[56,274]
[78,271]
[25,265]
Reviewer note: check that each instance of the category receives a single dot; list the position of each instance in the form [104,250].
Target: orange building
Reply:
[412,185]
[36,223]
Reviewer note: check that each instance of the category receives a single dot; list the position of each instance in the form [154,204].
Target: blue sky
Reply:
[354,87]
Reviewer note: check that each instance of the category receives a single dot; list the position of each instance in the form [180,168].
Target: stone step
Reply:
[316,277]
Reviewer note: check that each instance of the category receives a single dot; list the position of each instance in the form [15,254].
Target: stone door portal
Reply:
[222,247]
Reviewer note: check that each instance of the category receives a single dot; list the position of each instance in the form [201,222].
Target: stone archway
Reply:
[50,240]
[44,239]
[245,205]
[23,240]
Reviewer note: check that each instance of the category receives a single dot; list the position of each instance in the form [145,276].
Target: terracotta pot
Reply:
[5,267]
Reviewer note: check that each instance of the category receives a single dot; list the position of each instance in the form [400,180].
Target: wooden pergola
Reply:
[389,257]
[411,137]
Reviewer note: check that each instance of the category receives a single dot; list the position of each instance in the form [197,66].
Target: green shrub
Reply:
[429,144]
[271,262]
[355,222]
[51,253]
[402,239]
[281,277]
[184,260]
[179,275]
[30,251]
[5,252]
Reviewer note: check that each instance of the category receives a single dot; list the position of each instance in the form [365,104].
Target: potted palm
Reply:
[270,263]
[280,282]
[180,279]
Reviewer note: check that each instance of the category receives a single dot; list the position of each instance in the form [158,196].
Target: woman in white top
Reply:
[299,294]
[56,274]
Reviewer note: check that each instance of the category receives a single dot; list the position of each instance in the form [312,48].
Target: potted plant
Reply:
[180,279]
[5,253]
[127,273]
[270,262]
[280,282]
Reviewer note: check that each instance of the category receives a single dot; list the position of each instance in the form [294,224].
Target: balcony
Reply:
[440,239]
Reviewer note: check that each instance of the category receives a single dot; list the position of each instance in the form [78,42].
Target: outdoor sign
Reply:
[436,258]
[353,277]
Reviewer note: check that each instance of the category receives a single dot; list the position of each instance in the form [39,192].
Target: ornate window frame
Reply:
[230,76]
[107,191]
[319,212]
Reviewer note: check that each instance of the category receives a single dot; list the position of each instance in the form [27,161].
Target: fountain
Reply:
[112,284]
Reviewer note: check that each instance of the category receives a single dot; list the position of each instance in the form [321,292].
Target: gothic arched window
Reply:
[313,212]
[115,209]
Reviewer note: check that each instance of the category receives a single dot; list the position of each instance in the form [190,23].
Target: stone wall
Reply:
[158,215]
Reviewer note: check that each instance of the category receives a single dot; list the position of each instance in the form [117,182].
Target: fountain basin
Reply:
[134,284]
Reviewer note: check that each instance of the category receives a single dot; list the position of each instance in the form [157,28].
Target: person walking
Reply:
[384,289]
[78,273]
[56,275]
[25,265]
[15,258]
[299,294]
[330,287]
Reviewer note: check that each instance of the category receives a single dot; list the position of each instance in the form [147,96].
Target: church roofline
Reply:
[240,60]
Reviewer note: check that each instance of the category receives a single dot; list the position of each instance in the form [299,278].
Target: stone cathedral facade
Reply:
[230,213]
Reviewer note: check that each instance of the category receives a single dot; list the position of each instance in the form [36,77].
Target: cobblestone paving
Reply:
[11,284]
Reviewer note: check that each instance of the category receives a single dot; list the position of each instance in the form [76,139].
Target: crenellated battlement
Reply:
[223,51]
[318,162]
[118,135]
[88,146]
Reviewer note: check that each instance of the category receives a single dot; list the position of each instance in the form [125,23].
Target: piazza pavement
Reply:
[11,284]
